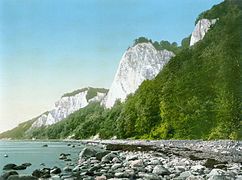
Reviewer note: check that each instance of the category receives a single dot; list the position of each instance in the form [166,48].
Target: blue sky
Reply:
[49,47]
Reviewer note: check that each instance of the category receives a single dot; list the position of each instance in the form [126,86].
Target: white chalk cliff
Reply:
[138,63]
[65,106]
[201,28]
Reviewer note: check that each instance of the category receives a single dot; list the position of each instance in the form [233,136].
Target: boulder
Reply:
[7,174]
[210,163]
[67,169]
[160,170]
[154,162]
[101,177]
[198,168]
[184,175]
[43,173]
[192,177]
[136,163]
[16,177]
[217,174]
[121,175]
[108,157]
[116,166]
[131,158]
[218,177]
[88,152]
[116,160]
[20,167]
[9,166]
[149,176]
[37,173]
[55,170]
[62,156]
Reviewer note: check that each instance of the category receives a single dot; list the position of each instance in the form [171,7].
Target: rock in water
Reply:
[9,166]
[7,174]
[55,170]
[201,28]
[16,177]
[138,63]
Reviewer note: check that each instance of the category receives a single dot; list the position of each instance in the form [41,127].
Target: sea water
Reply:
[33,152]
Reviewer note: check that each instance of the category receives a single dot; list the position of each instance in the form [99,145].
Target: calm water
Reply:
[32,151]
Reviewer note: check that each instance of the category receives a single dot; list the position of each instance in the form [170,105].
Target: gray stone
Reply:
[55,170]
[154,162]
[9,166]
[87,153]
[116,160]
[76,169]
[185,175]
[160,170]
[131,158]
[218,177]
[216,172]
[108,157]
[180,168]
[192,177]
[136,163]
[67,169]
[7,174]
[101,178]
[16,177]
[148,176]
[198,168]
[116,166]
[121,175]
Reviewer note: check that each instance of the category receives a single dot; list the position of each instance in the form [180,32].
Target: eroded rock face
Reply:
[201,28]
[65,106]
[138,63]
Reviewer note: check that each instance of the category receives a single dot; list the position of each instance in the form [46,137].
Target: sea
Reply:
[33,152]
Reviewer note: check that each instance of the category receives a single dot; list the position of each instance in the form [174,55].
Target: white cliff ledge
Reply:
[138,63]
[69,104]
[201,28]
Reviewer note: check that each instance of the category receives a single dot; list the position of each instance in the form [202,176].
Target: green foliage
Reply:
[142,40]
[198,91]
[91,92]
[82,124]
[159,45]
[18,132]
[186,42]
[73,93]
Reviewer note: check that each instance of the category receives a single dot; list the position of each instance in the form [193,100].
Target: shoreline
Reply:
[148,159]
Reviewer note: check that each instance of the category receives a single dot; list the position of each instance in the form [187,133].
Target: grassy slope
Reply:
[18,132]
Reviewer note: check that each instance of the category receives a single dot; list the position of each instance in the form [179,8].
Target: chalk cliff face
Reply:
[138,63]
[68,104]
[202,26]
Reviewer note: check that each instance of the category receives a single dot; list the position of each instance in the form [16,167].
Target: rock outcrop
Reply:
[201,28]
[68,104]
[138,63]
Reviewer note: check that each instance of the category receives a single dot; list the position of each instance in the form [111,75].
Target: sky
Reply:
[48,48]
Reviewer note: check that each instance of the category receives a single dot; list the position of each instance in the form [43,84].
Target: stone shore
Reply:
[146,160]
